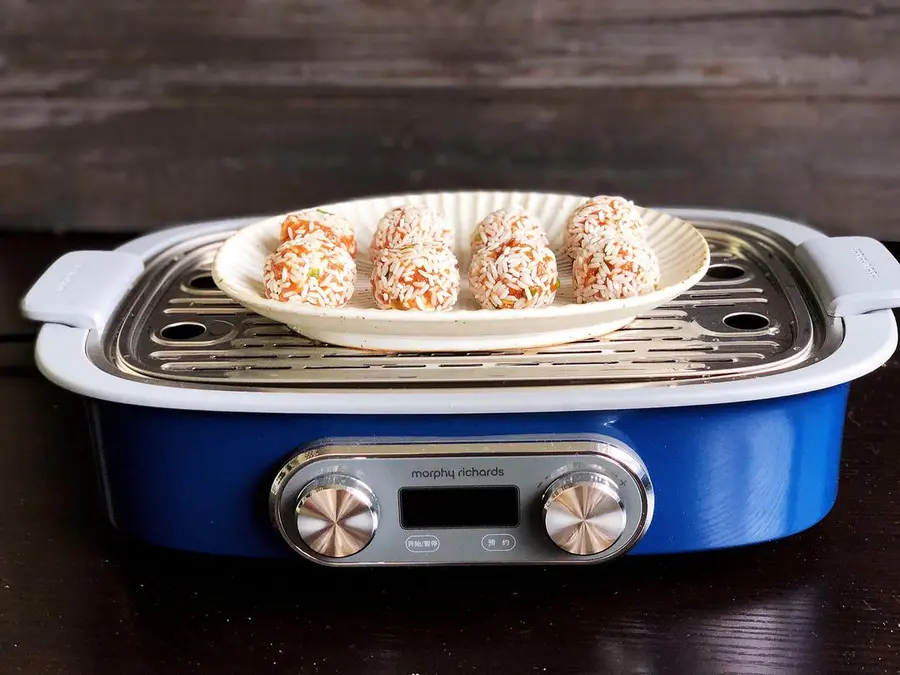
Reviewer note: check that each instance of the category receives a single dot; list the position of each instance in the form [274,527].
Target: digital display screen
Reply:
[452,507]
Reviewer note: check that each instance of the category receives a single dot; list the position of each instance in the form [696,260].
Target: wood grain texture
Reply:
[142,52]
[130,115]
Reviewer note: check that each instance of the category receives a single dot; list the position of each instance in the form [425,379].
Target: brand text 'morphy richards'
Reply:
[452,474]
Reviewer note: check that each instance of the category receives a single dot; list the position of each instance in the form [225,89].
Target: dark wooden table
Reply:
[74,598]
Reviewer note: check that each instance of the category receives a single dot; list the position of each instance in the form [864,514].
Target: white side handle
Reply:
[851,275]
[83,288]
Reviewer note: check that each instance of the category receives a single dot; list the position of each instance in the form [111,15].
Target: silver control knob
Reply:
[337,515]
[583,513]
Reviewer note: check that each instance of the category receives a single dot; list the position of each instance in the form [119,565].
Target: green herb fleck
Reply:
[315,272]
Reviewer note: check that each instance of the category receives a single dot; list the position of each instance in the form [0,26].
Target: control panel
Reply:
[420,502]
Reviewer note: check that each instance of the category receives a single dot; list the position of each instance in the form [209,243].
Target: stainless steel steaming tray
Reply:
[752,314]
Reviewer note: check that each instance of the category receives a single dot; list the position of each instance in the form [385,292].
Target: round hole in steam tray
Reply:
[204,282]
[746,321]
[182,331]
[724,272]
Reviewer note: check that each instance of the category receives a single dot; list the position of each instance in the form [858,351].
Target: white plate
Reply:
[682,251]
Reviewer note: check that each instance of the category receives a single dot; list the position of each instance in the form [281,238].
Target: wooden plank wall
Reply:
[135,114]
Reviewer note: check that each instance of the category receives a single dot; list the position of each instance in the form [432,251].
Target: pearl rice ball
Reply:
[612,268]
[311,270]
[500,226]
[601,217]
[519,274]
[421,276]
[316,222]
[410,225]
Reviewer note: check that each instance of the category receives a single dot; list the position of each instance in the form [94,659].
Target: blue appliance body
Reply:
[724,475]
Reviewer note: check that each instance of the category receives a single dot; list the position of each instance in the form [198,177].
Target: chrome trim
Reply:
[580,505]
[586,445]
[326,513]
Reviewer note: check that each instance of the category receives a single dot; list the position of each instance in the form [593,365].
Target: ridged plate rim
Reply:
[227,277]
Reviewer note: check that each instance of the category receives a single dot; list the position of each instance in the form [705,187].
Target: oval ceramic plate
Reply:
[682,251]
